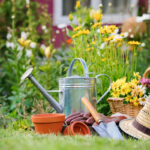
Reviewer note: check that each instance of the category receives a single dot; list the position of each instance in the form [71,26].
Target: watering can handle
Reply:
[109,88]
[86,73]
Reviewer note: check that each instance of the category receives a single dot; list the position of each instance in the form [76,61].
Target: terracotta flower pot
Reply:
[48,123]
[77,127]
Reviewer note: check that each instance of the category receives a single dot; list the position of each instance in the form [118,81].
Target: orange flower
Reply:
[69,41]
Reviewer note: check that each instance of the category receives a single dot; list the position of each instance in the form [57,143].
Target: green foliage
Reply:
[24,28]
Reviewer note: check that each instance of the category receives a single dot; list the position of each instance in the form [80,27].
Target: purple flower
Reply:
[145,81]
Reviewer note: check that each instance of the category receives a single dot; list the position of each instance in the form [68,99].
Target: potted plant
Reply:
[129,97]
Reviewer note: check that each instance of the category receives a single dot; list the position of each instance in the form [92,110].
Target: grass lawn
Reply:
[28,140]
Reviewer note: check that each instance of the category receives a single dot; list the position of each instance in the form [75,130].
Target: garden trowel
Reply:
[109,130]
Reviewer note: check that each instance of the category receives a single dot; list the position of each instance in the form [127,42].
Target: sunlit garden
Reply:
[75,74]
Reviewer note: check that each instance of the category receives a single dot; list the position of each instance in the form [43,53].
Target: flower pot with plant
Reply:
[128,97]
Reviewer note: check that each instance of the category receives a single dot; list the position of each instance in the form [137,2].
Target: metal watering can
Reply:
[71,90]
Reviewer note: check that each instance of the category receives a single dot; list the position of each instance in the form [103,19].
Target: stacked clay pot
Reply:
[77,127]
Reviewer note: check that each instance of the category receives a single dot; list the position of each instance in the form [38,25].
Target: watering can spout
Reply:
[50,99]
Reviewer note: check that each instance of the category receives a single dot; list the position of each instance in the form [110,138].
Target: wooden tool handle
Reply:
[91,109]
[146,73]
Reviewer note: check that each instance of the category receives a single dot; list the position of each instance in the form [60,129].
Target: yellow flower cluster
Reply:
[81,32]
[132,92]
[95,25]
[134,43]
[118,40]
[109,38]
[108,29]
[77,28]
[96,14]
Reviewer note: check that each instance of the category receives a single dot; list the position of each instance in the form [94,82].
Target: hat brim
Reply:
[127,127]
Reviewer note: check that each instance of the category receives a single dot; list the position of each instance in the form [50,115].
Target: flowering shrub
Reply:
[30,47]
[134,91]
[104,49]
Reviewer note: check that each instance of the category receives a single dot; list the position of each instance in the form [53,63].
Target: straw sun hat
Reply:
[138,127]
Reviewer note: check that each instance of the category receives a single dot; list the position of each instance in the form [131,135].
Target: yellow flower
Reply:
[114,85]
[77,28]
[132,85]
[24,43]
[84,32]
[143,99]
[134,43]
[117,40]
[49,52]
[135,81]
[136,74]
[103,59]
[70,17]
[125,89]
[93,42]
[88,49]
[116,93]
[128,98]
[78,4]
[135,92]
[96,14]
[108,29]
[136,103]
[131,100]
[95,25]
[110,38]
[141,94]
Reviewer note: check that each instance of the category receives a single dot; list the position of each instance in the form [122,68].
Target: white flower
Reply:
[109,4]
[27,2]
[130,30]
[28,53]
[146,16]
[100,5]
[102,46]
[142,88]
[44,27]
[98,53]
[8,36]
[24,35]
[57,31]
[53,40]
[60,26]
[13,17]
[131,36]
[32,44]
[126,34]
[115,32]
[10,45]
[143,44]
[43,47]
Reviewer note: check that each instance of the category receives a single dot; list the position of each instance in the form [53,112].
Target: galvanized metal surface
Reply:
[71,90]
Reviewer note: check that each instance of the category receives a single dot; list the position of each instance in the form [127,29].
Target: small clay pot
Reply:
[48,123]
[77,127]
